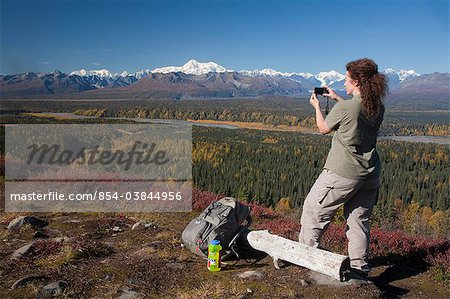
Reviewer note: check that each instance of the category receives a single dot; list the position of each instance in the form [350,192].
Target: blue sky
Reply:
[300,36]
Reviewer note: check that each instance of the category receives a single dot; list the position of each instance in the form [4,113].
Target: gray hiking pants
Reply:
[328,193]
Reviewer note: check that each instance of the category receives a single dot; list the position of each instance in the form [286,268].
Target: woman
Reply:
[351,175]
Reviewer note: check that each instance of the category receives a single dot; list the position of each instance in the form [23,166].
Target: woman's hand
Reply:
[314,101]
[331,94]
[323,128]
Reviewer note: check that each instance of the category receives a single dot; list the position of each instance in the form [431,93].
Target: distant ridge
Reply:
[203,80]
[193,67]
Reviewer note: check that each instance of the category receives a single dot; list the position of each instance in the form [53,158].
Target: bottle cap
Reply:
[215,242]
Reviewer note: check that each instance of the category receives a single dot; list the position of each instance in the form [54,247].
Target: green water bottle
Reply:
[214,249]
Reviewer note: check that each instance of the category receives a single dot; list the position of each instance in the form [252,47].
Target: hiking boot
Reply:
[356,276]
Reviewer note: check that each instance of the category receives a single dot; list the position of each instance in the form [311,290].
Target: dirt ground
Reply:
[100,256]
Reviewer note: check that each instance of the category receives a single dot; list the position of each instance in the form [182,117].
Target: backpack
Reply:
[224,220]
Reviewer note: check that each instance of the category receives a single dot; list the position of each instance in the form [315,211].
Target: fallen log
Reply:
[315,259]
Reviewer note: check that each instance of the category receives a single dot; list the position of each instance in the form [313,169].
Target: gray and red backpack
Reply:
[224,220]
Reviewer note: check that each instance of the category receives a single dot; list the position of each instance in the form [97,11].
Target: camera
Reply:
[320,90]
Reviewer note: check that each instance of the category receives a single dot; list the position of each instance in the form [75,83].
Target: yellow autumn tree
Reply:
[411,216]
[440,223]
[284,205]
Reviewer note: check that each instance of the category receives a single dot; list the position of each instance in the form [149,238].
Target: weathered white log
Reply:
[316,259]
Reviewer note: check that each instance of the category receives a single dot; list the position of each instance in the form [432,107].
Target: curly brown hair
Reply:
[373,85]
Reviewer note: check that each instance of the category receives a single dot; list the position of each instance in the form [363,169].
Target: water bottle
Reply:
[214,249]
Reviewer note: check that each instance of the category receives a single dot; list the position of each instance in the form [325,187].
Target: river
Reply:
[423,139]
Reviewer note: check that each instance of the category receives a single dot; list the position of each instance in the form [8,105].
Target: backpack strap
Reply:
[237,235]
[240,230]
[228,201]
[249,220]
[211,220]
[232,245]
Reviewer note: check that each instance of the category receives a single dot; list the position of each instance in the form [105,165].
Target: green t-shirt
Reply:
[353,151]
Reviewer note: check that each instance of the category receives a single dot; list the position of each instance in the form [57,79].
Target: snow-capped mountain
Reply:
[193,67]
[273,73]
[263,73]
[304,75]
[328,78]
[322,78]
[141,74]
[104,78]
[308,80]
[397,77]
[103,73]
[197,79]
[331,78]
[401,74]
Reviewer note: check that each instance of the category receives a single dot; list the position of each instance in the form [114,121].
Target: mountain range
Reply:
[201,80]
